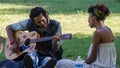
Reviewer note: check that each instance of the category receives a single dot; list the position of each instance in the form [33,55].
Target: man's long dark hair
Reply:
[37,11]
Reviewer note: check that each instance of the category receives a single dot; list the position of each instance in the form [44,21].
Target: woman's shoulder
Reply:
[98,32]
[102,30]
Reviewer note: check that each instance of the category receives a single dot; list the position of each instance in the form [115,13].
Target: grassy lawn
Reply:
[73,17]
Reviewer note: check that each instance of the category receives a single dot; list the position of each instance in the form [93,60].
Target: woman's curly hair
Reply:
[101,11]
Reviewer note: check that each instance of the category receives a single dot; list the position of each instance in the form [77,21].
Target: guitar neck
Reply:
[41,39]
[64,36]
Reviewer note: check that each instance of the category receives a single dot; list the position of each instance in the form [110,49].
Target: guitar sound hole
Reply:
[25,46]
[27,42]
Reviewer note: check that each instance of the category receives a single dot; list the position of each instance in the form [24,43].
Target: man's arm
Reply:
[11,29]
[57,42]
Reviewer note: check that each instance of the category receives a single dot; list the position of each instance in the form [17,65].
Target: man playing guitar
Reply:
[46,53]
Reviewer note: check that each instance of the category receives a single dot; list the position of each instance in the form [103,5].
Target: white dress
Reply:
[106,58]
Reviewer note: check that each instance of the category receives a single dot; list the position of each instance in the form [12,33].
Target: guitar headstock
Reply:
[66,36]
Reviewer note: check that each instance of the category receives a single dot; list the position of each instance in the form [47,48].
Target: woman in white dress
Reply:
[102,52]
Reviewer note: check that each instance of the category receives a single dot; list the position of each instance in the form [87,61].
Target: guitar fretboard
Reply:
[41,39]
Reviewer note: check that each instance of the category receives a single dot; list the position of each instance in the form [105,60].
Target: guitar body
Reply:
[27,42]
[21,38]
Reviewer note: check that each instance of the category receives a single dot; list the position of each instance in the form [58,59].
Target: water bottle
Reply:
[78,62]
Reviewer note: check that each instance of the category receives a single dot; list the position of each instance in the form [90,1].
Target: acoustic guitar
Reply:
[26,42]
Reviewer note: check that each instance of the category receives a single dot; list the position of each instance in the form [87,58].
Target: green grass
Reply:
[73,17]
